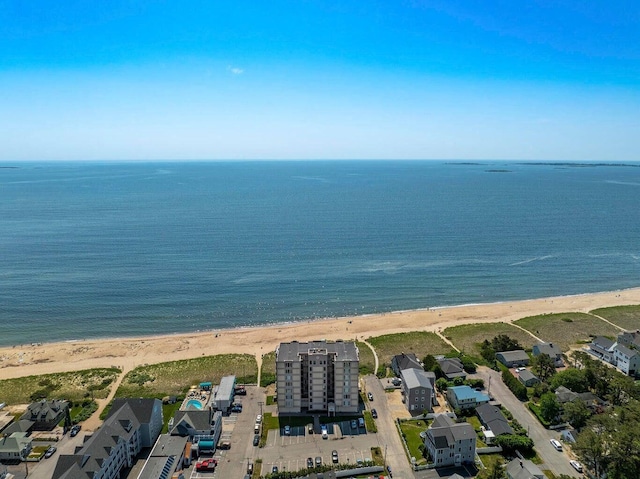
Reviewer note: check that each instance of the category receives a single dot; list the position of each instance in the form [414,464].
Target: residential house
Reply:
[317,377]
[47,414]
[630,339]
[115,446]
[514,358]
[627,359]
[170,455]
[418,390]
[203,428]
[465,397]
[523,469]
[452,368]
[550,349]
[603,348]
[224,394]
[404,361]
[565,395]
[494,422]
[527,378]
[15,447]
[450,443]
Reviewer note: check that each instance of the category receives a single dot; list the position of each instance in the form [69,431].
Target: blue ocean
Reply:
[114,249]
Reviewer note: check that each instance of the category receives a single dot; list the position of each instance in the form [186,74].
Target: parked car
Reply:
[576,465]
[370,396]
[389,471]
[334,456]
[240,391]
[309,463]
[374,414]
[310,428]
[236,407]
[75,430]
[258,418]
[361,421]
[318,461]
[207,465]
[325,432]
[274,470]
[250,468]
[256,439]
[50,452]
[556,444]
[354,424]
[287,430]
[396,381]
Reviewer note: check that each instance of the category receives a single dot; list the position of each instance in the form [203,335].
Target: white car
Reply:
[576,465]
[258,418]
[556,444]
[325,432]
[519,370]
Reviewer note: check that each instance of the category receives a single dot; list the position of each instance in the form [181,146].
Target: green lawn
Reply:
[411,430]
[420,343]
[367,360]
[73,386]
[627,317]
[468,337]
[566,329]
[268,371]
[175,377]
[369,422]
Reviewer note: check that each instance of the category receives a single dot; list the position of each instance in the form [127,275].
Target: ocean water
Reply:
[102,250]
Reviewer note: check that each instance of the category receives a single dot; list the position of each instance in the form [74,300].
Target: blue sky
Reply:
[307,79]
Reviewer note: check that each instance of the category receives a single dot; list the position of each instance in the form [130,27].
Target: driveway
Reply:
[557,462]
[387,435]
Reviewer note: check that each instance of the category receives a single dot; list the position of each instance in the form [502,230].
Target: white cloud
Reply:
[236,70]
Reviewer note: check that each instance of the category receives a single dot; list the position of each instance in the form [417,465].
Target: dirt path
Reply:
[259,362]
[375,357]
[94,422]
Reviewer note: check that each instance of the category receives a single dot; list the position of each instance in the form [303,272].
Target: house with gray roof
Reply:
[404,361]
[450,443]
[47,414]
[15,447]
[224,394]
[491,418]
[603,348]
[114,446]
[418,390]
[452,368]
[170,455]
[523,469]
[550,349]
[317,377]
[527,378]
[514,358]
[627,359]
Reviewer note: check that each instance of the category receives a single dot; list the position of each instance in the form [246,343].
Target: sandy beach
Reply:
[127,353]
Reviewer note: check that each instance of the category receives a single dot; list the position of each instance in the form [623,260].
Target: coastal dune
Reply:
[127,353]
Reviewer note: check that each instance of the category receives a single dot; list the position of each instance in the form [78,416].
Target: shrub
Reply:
[515,386]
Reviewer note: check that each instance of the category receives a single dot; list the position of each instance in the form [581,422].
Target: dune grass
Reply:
[175,377]
[566,329]
[420,343]
[627,317]
[268,369]
[73,386]
[468,337]
[367,360]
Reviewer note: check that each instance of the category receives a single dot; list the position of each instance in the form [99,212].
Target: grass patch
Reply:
[490,459]
[377,457]
[420,343]
[270,400]
[468,337]
[268,369]
[627,317]
[73,386]
[369,422]
[168,410]
[269,421]
[411,432]
[82,411]
[175,377]
[555,328]
[367,359]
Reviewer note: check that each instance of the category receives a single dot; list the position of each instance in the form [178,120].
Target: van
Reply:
[556,444]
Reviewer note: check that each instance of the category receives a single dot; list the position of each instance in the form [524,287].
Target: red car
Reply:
[207,465]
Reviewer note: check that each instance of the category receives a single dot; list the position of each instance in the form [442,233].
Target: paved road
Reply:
[557,462]
[387,432]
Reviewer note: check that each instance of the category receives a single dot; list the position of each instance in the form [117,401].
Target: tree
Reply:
[543,366]
[573,379]
[429,362]
[590,448]
[502,342]
[514,442]
[468,365]
[549,407]
[576,413]
[442,384]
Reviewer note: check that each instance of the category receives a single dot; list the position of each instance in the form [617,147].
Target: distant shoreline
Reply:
[129,352]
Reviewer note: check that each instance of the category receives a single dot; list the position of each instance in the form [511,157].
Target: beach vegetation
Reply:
[515,386]
[514,442]
[366,358]
[469,338]
[543,366]
[82,410]
[494,467]
[627,317]
[175,377]
[555,328]
[72,386]
[268,369]
[419,343]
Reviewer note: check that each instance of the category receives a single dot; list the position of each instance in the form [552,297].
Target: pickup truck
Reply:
[207,465]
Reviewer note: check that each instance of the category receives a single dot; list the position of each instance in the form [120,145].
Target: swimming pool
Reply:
[194,404]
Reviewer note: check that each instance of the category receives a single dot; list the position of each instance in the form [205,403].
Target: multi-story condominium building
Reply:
[317,376]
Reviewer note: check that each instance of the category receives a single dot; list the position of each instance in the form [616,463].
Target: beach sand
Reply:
[127,353]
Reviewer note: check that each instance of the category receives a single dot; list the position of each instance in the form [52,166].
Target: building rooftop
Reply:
[415,378]
[524,469]
[494,419]
[466,392]
[527,375]
[406,361]
[344,350]
[516,355]
[549,349]
[226,388]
